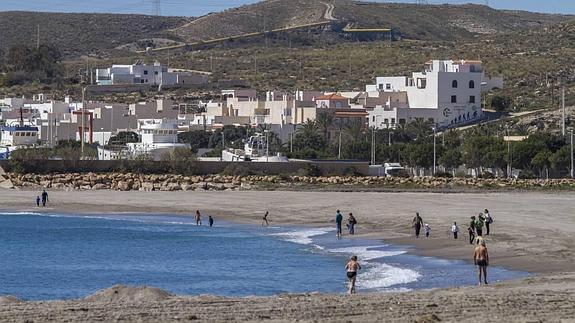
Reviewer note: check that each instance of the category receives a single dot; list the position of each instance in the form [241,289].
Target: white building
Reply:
[146,74]
[446,93]
[158,137]
[18,136]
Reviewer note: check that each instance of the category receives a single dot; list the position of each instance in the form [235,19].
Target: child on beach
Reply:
[38,201]
[455,230]
[210,221]
[352,267]
[427,229]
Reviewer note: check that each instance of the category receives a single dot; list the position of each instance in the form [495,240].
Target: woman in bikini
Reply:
[352,267]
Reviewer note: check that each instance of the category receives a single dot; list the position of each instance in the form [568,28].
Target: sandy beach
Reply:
[533,232]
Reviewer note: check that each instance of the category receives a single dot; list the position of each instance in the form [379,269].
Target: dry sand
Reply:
[532,231]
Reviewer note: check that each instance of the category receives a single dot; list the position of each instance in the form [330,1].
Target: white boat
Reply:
[255,150]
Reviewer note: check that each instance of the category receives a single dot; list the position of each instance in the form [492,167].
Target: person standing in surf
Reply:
[211,221]
[351,222]
[338,221]
[417,223]
[265,219]
[44,198]
[481,260]
[352,267]
[198,218]
[488,220]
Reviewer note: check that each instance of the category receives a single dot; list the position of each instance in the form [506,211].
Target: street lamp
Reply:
[267,145]
[434,153]
[388,137]
[571,135]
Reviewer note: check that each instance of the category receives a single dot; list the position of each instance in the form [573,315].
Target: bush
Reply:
[526,174]
[501,102]
[487,175]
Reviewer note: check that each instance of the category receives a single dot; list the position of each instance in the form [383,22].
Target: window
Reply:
[392,120]
[472,99]
[142,81]
[386,121]
[471,84]
[388,86]
[454,84]
[381,86]
[454,99]
[145,72]
[421,83]
[373,119]
[156,73]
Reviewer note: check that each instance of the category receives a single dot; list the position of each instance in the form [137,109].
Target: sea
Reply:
[66,256]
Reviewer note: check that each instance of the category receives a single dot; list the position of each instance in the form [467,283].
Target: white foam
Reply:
[301,236]
[20,213]
[368,252]
[376,275]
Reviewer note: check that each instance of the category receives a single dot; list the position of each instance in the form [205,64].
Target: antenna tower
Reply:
[422,2]
[156,7]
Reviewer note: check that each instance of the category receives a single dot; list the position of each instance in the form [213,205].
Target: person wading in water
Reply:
[352,267]
[417,224]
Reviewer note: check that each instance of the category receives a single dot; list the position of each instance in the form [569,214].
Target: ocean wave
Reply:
[301,236]
[21,213]
[377,275]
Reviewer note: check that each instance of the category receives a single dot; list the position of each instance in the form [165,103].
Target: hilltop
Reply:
[82,34]
[107,35]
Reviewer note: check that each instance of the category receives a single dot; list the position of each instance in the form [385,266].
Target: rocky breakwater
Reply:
[171,182]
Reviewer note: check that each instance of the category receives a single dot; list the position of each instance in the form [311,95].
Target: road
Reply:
[329,11]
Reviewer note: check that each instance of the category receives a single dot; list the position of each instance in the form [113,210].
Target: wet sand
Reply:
[533,231]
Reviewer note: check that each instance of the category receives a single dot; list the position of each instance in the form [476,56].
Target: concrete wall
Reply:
[199,167]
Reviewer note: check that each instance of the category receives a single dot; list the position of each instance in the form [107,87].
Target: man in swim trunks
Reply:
[481,260]
[352,267]
[198,218]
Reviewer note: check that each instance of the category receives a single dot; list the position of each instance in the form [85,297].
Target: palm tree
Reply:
[325,121]
[420,128]
[354,129]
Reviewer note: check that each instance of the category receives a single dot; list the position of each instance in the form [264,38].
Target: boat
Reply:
[255,150]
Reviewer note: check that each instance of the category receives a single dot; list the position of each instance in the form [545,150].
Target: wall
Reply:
[199,168]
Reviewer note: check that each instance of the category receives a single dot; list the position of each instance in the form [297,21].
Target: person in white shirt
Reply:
[427,229]
[455,230]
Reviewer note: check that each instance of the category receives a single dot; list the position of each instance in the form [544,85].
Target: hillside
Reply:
[423,22]
[262,16]
[440,22]
[80,34]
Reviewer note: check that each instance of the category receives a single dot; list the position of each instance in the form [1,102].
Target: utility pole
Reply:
[388,137]
[38,38]
[434,154]
[83,120]
[211,63]
[563,111]
[339,147]
[373,146]
[572,173]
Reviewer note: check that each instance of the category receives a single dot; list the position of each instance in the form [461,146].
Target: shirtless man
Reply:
[265,219]
[198,218]
[481,260]
[352,267]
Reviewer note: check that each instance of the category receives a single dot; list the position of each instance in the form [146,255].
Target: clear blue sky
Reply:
[200,7]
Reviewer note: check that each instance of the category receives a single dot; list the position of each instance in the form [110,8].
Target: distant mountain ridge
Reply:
[101,34]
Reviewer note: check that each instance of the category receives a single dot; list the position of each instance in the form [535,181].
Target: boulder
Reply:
[7,184]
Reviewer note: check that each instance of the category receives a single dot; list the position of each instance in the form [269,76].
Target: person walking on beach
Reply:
[338,221]
[265,219]
[427,230]
[210,220]
[417,223]
[198,218]
[44,198]
[351,222]
[38,201]
[479,225]
[488,221]
[471,234]
[455,230]
[352,267]
[481,260]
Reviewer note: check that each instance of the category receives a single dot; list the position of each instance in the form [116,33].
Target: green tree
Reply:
[196,138]
[501,102]
[542,161]
[451,159]
[124,137]
[325,121]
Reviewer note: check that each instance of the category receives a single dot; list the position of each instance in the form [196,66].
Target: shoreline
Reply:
[390,231]
[533,232]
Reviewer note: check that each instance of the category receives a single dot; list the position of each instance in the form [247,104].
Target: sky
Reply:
[201,7]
